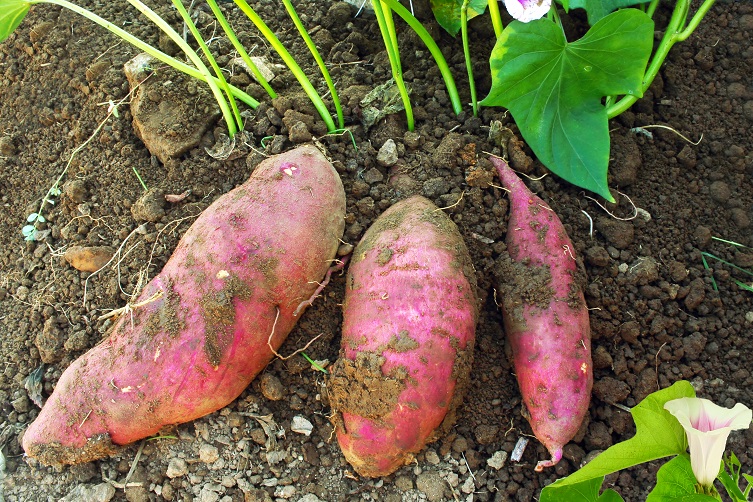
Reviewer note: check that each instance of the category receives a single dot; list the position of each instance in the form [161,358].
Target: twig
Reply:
[134,464]
[635,208]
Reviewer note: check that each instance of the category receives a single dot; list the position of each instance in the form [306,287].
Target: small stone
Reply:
[88,259]
[7,148]
[643,271]
[486,434]
[597,256]
[285,492]
[610,390]
[176,468]
[207,494]
[619,234]
[435,187]
[150,206]
[301,425]
[702,236]
[431,484]
[693,346]
[103,492]
[740,218]
[208,453]
[720,191]
[299,133]
[432,457]
[373,175]
[403,483]
[468,486]
[75,190]
[498,460]
[309,497]
[412,139]
[49,341]
[696,295]
[271,387]
[387,155]
[21,404]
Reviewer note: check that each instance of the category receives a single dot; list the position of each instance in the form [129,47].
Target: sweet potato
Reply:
[200,330]
[409,321]
[545,318]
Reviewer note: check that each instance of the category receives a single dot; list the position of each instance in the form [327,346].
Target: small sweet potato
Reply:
[409,321]
[545,318]
[201,330]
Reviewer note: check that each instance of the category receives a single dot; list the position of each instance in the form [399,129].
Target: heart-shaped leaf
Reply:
[447,12]
[554,88]
[586,491]
[658,434]
[598,9]
[675,482]
[12,12]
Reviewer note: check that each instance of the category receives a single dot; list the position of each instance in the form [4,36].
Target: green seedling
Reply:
[289,61]
[389,35]
[319,61]
[12,12]
[314,364]
[239,47]
[740,284]
[433,48]
[453,16]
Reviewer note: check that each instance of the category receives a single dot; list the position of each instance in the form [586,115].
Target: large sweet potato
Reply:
[545,318]
[200,329]
[409,321]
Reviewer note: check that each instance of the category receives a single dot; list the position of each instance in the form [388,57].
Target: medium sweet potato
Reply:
[199,332]
[409,321]
[545,318]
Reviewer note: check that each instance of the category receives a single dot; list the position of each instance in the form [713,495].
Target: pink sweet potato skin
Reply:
[200,338]
[409,321]
[545,318]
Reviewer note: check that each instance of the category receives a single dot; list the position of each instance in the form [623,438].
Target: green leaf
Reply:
[598,9]
[12,12]
[554,88]
[28,230]
[447,12]
[586,491]
[675,482]
[658,434]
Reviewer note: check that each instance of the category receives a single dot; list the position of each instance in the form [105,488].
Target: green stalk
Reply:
[217,71]
[239,47]
[390,44]
[319,61]
[416,26]
[195,59]
[143,46]
[496,18]
[676,31]
[467,53]
[290,62]
[652,8]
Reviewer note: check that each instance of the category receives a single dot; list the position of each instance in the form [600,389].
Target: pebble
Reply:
[373,175]
[103,492]
[88,259]
[271,387]
[208,453]
[285,492]
[431,484]
[150,206]
[176,468]
[619,234]
[387,155]
[301,425]
[468,486]
[299,133]
[498,460]
[432,457]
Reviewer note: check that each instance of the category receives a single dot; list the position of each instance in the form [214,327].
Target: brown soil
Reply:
[658,314]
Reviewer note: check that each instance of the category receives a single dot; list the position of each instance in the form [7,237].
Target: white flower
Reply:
[707,427]
[527,10]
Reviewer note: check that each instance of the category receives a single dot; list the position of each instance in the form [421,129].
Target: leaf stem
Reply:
[384,20]
[195,59]
[289,61]
[676,31]
[239,47]
[467,53]
[141,45]
[496,18]
[237,120]
[319,61]
[416,26]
